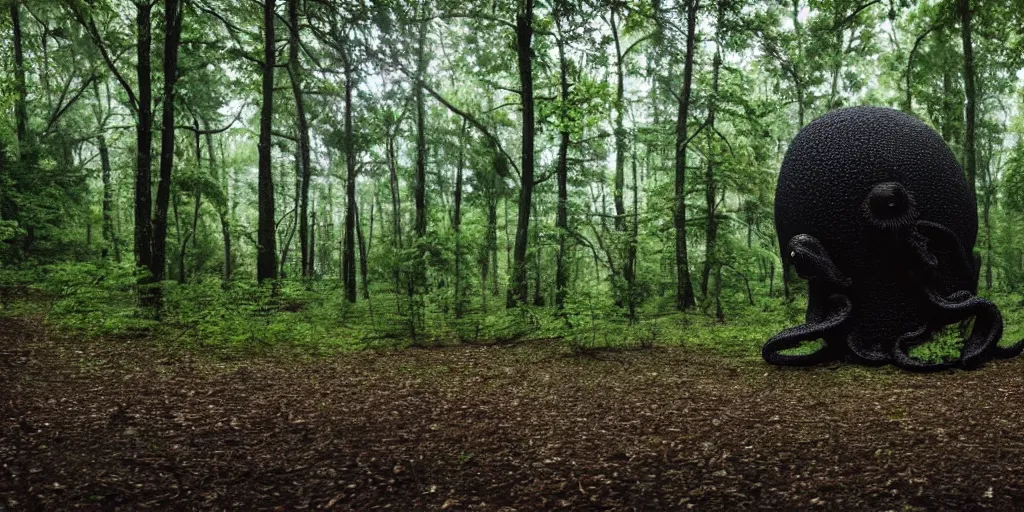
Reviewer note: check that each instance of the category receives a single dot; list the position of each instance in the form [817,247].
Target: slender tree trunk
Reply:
[950,104]
[420,179]
[797,81]
[457,225]
[987,195]
[21,100]
[396,201]
[172,36]
[561,176]
[418,274]
[177,233]
[266,251]
[684,286]
[105,177]
[629,270]
[312,241]
[620,130]
[108,201]
[348,255]
[538,295]
[144,141]
[191,235]
[970,156]
[295,73]
[492,242]
[283,265]
[222,209]
[710,191]
[517,292]
[363,265]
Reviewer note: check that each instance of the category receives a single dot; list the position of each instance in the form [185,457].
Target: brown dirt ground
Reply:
[121,425]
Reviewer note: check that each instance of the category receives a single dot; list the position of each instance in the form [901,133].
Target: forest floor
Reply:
[129,425]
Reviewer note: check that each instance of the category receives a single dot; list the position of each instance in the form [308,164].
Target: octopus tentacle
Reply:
[936,231]
[838,317]
[901,352]
[1007,352]
[812,261]
[982,343]
[864,355]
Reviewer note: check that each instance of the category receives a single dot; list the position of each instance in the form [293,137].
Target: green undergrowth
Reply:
[314,318]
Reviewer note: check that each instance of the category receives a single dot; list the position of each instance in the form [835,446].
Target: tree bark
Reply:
[144,141]
[21,101]
[538,295]
[109,238]
[191,235]
[970,155]
[710,191]
[457,224]
[312,241]
[266,252]
[295,73]
[629,270]
[620,130]
[561,176]
[283,263]
[363,265]
[684,286]
[172,36]
[492,241]
[396,199]
[418,273]
[517,292]
[348,253]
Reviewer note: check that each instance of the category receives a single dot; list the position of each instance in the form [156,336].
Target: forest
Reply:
[434,171]
[474,255]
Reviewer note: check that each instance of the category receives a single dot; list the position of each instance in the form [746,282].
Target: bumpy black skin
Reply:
[874,210]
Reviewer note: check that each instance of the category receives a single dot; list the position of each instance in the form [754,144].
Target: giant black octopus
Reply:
[873,210]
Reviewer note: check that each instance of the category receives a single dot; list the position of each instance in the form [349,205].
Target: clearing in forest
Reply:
[116,424]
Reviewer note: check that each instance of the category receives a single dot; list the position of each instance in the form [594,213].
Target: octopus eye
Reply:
[889,206]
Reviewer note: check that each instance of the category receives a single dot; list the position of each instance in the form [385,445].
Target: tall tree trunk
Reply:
[295,73]
[363,265]
[191,235]
[109,240]
[396,200]
[491,243]
[108,201]
[620,130]
[950,105]
[970,156]
[517,292]
[225,231]
[710,191]
[538,295]
[312,241]
[144,140]
[561,176]
[629,270]
[348,254]
[283,264]
[797,81]
[418,274]
[266,252]
[172,36]
[457,224]
[21,101]
[684,287]
[988,191]
[177,233]
[222,209]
